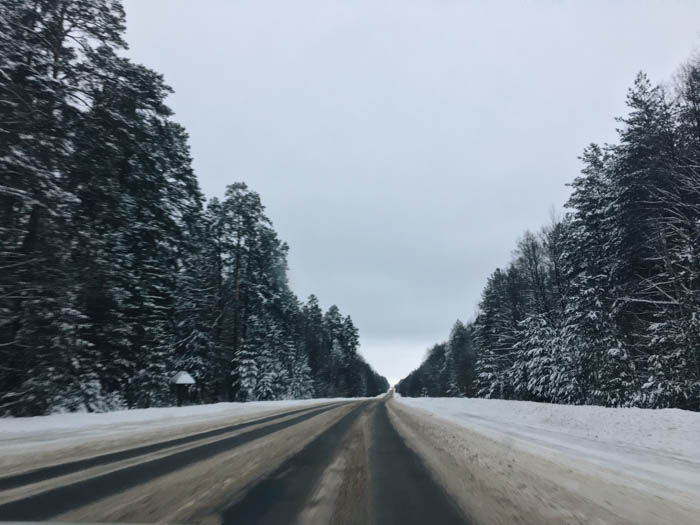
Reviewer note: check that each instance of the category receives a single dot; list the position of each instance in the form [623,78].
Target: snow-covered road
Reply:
[556,463]
[374,461]
[64,429]
[331,462]
[662,446]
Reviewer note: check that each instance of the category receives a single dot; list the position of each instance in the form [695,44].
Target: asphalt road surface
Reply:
[333,463]
[357,462]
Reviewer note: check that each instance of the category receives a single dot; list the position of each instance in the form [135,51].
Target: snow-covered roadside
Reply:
[659,445]
[57,429]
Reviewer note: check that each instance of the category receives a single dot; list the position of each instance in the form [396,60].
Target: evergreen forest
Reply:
[114,271]
[602,306]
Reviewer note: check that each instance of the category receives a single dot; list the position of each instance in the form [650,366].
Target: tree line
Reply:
[602,306]
[114,272]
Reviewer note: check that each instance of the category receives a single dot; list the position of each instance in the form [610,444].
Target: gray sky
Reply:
[402,147]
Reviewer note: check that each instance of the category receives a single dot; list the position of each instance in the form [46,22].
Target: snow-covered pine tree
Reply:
[46,49]
[461,361]
[670,291]
[300,385]
[196,306]
[496,329]
[312,341]
[603,371]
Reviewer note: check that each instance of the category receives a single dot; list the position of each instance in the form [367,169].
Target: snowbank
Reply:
[28,431]
[660,445]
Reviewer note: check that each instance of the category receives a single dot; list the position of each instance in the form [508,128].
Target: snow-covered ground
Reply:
[658,445]
[55,429]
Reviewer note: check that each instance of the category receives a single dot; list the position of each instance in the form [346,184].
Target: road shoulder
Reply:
[498,481]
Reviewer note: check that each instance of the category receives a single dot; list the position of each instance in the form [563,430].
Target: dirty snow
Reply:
[59,428]
[658,445]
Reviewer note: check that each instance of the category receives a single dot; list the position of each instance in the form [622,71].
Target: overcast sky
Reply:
[402,147]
